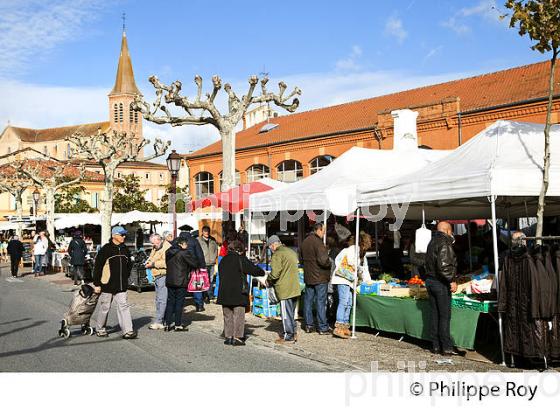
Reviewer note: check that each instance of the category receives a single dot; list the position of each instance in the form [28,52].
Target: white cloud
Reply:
[38,106]
[30,29]
[350,63]
[394,28]
[432,52]
[487,9]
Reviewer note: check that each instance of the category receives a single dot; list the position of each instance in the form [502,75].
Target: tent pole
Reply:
[357,242]
[376,243]
[496,268]
[325,223]
[249,221]
[470,243]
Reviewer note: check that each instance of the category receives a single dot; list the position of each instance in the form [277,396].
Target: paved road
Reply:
[30,313]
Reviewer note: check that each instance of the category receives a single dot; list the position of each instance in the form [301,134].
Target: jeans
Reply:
[440,304]
[344,303]
[288,312]
[316,294]
[38,266]
[78,273]
[198,298]
[210,292]
[175,304]
[123,311]
[15,264]
[161,298]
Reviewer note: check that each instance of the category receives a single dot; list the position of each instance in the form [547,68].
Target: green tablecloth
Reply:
[412,317]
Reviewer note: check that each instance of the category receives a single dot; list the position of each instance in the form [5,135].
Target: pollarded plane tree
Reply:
[15,182]
[202,110]
[52,176]
[110,150]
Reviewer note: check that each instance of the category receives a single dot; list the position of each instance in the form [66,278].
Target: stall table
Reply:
[412,317]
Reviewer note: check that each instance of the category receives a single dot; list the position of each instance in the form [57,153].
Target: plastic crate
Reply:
[260,293]
[484,306]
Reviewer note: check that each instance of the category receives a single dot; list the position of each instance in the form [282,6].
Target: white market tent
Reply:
[502,167]
[334,187]
[63,221]
[503,161]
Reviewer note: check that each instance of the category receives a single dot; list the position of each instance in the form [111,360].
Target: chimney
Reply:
[404,130]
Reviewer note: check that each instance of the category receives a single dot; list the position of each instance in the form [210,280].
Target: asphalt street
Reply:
[30,314]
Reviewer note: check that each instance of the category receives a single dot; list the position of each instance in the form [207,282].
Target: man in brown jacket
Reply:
[316,274]
[156,262]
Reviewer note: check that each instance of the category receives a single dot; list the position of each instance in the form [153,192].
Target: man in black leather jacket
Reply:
[441,269]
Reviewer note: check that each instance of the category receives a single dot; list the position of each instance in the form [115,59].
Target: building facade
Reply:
[291,147]
[51,142]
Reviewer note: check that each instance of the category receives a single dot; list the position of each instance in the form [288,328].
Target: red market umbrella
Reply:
[233,200]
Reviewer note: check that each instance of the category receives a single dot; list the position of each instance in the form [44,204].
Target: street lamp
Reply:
[36,195]
[173,165]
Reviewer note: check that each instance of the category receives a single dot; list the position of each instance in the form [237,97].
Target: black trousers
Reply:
[440,319]
[175,304]
[15,265]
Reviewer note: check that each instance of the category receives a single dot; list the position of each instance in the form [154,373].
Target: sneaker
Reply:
[200,309]
[181,328]
[130,335]
[156,326]
[282,341]
[168,328]
[229,341]
[308,329]
[324,332]
[101,333]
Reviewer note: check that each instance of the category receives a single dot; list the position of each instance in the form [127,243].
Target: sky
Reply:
[58,58]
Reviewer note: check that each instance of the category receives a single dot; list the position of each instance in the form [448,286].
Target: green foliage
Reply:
[539,19]
[179,204]
[129,196]
[68,200]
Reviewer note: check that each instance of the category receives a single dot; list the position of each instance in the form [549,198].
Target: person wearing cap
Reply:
[284,277]
[110,278]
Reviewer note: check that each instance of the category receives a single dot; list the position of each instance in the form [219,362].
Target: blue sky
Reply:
[334,51]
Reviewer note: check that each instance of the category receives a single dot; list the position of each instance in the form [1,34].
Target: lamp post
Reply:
[36,195]
[173,165]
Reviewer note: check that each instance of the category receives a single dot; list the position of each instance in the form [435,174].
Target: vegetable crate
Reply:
[480,306]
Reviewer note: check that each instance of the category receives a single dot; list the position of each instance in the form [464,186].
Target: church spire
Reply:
[124,83]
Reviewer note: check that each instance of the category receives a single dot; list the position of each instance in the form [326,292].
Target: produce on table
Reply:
[416,281]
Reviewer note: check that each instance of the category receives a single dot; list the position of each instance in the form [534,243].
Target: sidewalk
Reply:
[362,354]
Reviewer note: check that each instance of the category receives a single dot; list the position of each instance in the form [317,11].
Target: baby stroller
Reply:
[80,311]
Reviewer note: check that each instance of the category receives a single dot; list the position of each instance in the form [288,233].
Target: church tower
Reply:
[122,117]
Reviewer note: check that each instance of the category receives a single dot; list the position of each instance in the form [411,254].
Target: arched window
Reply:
[289,171]
[319,163]
[257,171]
[135,117]
[237,179]
[130,114]
[116,112]
[121,114]
[204,184]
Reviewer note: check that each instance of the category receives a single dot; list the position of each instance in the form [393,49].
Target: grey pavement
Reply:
[30,314]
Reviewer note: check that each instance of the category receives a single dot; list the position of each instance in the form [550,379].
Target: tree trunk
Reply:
[49,197]
[19,214]
[107,206]
[546,165]
[228,158]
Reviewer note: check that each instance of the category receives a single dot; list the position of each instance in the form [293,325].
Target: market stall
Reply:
[498,172]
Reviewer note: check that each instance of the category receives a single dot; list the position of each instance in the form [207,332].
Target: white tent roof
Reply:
[63,221]
[504,160]
[334,187]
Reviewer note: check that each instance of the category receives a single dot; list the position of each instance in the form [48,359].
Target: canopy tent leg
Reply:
[249,222]
[470,243]
[325,218]
[357,242]
[496,268]
[376,243]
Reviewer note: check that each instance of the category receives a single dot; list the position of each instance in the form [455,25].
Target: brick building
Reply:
[294,146]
